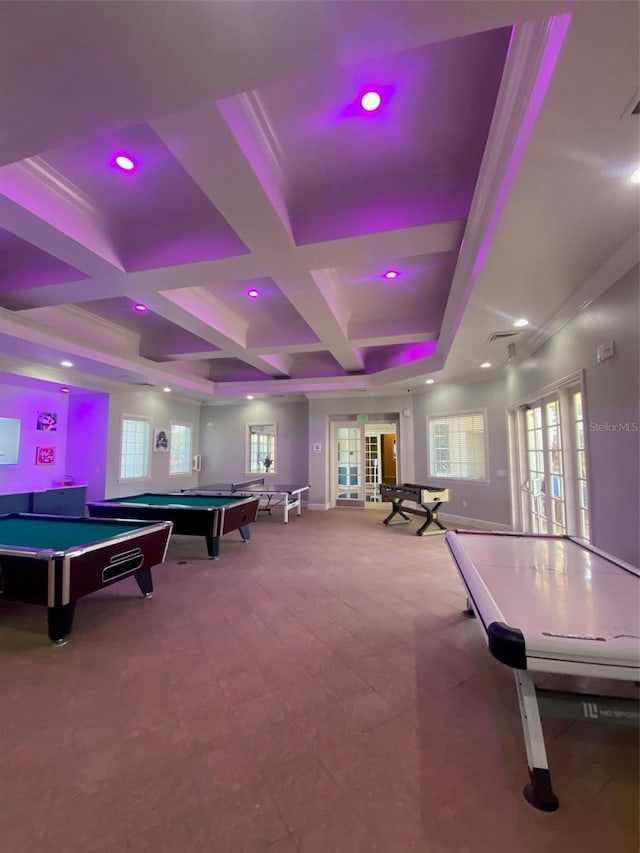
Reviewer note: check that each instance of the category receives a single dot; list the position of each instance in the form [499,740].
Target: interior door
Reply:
[349,464]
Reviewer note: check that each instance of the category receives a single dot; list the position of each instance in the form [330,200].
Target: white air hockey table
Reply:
[553,604]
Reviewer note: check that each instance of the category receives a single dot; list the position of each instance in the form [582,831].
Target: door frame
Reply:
[350,421]
[518,450]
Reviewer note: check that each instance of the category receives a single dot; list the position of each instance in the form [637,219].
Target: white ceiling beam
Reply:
[32,332]
[235,175]
[40,206]
[384,247]
[195,310]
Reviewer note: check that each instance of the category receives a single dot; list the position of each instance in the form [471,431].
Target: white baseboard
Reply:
[459,521]
[462,522]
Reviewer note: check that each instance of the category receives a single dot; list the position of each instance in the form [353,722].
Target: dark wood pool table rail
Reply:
[191,515]
[57,577]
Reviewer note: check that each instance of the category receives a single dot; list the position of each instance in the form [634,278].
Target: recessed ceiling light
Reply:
[370,101]
[125,162]
[64,390]
[486,364]
[521,322]
[249,396]
[391,274]
[429,381]
[66,364]
[253,293]
[140,307]
[635,178]
[166,390]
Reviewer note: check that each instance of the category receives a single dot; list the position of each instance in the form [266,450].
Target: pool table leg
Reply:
[145,582]
[538,793]
[244,532]
[60,619]
[213,546]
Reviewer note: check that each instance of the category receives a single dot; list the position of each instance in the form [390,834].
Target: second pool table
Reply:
[192,515]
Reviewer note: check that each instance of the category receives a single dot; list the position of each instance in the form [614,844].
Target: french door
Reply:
[348,455]
[551,464]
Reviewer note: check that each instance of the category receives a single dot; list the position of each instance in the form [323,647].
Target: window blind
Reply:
[457,446]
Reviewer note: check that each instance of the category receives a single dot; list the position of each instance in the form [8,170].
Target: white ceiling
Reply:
[495,179]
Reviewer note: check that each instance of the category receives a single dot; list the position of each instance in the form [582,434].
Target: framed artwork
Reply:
[45,455]
[161,440]
[47,422]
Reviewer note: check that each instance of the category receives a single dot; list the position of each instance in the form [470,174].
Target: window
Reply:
[457,446]
[135,446]
[180,449]
[261,449]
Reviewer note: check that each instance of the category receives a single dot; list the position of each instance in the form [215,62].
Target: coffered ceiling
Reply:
[492,179]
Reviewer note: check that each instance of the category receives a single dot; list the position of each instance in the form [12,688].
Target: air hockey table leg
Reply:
[538,793]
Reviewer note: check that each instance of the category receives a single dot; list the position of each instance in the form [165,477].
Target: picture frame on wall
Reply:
[47,422]
[45,455]
[161,440]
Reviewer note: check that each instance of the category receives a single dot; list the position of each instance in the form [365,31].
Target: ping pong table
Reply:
[287,496]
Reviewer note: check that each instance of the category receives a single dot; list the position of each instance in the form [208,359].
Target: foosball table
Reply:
[428,500]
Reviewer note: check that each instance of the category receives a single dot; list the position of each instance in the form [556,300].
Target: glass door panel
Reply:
[555,468]
[577,417]
[373,469]
[544,487]
[536,509]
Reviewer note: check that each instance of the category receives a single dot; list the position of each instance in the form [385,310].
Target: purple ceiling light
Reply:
[371,101]
[140,307]
[125,162]
[390,274]
[253,293]
[64,390]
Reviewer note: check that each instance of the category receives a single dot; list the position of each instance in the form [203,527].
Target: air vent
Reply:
[500,336]
[278,396]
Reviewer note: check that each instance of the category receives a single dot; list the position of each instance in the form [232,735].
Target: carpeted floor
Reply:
[315,691]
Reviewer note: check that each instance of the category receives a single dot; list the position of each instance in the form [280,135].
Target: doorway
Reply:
[381,459]
[364,455]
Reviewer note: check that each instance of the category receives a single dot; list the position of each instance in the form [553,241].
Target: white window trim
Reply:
[190,460]
[131,417]
[247,448]
[459,414]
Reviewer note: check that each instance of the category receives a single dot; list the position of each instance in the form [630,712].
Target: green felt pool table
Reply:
[55,560]
[191,515]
